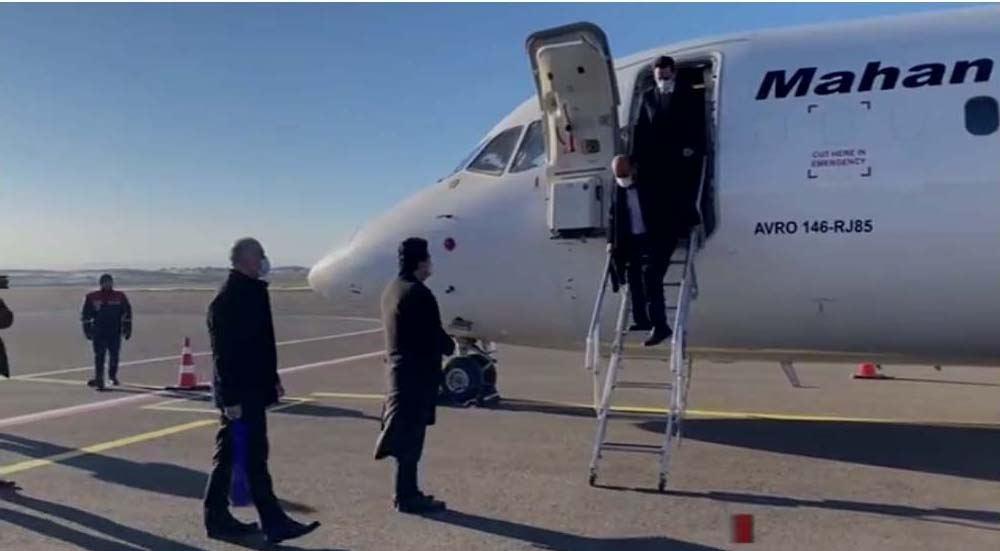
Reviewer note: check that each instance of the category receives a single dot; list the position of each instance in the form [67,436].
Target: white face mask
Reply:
[625,182]
[664,84]
[265,268]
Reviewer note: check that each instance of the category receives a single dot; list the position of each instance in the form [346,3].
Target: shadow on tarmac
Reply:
[561,541]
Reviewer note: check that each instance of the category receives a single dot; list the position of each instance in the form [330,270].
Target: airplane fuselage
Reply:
[855,201]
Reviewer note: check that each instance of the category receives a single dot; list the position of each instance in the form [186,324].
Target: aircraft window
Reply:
[982,115]
[465,161]
[532,152]
[493,158]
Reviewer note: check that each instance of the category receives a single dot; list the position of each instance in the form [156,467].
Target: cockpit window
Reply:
[465,160]
[532,152]
[494,157]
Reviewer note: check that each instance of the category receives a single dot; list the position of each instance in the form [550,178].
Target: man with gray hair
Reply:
[246,382]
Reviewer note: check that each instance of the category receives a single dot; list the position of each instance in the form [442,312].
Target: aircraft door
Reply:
[578,94]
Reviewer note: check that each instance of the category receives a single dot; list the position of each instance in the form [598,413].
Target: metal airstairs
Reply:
[681,277]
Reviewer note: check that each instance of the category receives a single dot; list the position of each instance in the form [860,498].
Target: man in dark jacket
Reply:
[415,344]
[650,215]
[106,317]
[245,383]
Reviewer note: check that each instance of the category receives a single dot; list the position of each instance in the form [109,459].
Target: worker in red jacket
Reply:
[106,318]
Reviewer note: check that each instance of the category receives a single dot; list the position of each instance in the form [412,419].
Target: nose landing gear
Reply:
[470,377]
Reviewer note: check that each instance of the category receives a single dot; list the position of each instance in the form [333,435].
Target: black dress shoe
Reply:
[229,528]
[420,504]
[115,381]
[658,335]
[96,384]
[640,327]
[289,530]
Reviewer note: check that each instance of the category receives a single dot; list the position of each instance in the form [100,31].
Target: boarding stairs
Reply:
[680,284]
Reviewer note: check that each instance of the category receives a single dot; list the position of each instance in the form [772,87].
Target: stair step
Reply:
[651,385]
[629,447]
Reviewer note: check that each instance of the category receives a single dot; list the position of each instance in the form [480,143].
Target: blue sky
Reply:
[153,135]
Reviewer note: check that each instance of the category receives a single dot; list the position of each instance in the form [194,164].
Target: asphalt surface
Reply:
[908,464]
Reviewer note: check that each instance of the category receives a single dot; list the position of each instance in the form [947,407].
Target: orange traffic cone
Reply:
[870,371]
[187,378]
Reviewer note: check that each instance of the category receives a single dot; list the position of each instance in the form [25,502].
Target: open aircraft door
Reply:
[575,79]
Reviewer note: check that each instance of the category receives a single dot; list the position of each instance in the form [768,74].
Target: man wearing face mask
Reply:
[246,382]
[415,344]
[654,206]
[106,318]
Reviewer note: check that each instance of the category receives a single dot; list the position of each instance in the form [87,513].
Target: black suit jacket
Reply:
[665,176]
[243,345]
[415,343]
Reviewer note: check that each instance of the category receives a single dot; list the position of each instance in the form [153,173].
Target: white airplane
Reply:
[848,202]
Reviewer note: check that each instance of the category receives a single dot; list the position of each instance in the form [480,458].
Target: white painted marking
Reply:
[73,410]
[94,406]
[331,362]
[30,376]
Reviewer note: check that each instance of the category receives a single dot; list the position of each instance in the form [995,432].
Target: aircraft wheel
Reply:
[463,378]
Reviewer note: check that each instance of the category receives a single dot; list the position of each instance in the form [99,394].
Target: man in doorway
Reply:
[245,358]
[415,344]
[106,318]
[654,204]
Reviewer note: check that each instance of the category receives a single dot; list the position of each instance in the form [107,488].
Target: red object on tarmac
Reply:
[187,378]
[743,528]
[870,371]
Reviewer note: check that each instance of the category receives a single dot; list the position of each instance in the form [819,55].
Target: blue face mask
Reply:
[265,267]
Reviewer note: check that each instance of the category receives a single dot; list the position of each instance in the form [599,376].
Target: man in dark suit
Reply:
[654,204]
[246,382]
[415,344]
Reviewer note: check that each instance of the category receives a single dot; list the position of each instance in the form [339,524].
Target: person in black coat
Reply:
[246,382]
[654,204]
[415,344]
[6,320]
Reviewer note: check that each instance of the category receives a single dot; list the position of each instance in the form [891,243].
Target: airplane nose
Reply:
[329,273]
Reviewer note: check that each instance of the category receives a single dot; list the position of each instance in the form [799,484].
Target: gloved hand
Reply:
[233,413]
[88,333]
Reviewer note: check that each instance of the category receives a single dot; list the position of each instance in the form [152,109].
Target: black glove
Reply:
[88,333]
[127,330]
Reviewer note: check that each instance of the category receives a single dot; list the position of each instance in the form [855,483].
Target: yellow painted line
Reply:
[98,448]
[701,413]
[166,405]
[73,382]
[127,441]
[349,396]
[182,409]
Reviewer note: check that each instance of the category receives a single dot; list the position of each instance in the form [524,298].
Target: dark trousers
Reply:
[406,465]
[261,487]
[108,345]
[648,261]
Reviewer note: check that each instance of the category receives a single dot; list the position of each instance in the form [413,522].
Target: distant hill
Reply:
[205,277]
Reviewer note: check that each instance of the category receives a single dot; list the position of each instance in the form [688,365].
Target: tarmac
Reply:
[839,464]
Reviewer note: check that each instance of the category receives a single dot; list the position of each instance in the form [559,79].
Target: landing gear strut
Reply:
[470,377]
